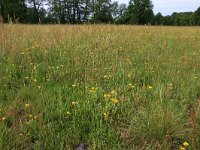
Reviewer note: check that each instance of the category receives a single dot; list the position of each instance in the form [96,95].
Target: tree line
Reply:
[137,12]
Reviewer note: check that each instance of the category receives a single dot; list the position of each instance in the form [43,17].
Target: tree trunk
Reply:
[36,12]
[2,9]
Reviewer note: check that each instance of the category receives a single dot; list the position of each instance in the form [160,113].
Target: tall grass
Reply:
[102,86]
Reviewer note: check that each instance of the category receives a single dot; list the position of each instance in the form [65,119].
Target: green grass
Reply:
[112,87]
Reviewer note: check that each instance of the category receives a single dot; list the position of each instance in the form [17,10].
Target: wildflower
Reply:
[30,116]
[182,148]
[129,75]
[170,86]
[27,105]
[195,77]
[114,100]
[20,134]
[35,80]
[114,93]
[4,118]
[93,89]
[73,85]
[106,95]
[185,144]
[39,87]
[150,87]
[26,78]
[74,103]
[132,86]
[68,113]
[105,115]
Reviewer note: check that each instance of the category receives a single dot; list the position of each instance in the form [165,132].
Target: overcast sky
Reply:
[167,7]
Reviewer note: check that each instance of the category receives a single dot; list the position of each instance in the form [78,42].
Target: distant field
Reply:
[99,86]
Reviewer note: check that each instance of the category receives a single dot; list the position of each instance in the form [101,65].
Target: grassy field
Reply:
[99,86]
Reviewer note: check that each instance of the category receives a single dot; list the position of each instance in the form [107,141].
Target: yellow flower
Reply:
[186,144]
[68,113]
[73,85]
[4,118]
[93,89]
[106,95]
[30,116]
[182,148]
[129,75]
[35,80]
[114,93]
[132,86]
[74,103]
[26,78]
[114,100]
[27,105]
[195,77]
[150,87]
[170,86]
[105,115]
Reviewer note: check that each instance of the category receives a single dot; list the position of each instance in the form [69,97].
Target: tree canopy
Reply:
[138,12]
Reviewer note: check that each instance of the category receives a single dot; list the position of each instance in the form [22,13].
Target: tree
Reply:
[121,14]
[140,11]
[196,17]
[102,11]
[159,19]
[36,5]
[13,10]
[2,8]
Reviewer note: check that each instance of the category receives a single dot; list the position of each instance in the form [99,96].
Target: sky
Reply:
[167,7]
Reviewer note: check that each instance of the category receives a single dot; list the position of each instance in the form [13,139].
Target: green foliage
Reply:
[196,17]
[158,19]
[140,11]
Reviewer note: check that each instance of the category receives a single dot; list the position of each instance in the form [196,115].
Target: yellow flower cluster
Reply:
[184,146]
[105,114]
[112,96]
[74,103]
[93,90]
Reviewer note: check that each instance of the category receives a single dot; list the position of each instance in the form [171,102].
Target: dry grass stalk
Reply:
[1,23]
[193,119]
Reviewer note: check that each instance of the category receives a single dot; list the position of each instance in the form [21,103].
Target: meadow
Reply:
[99,86]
